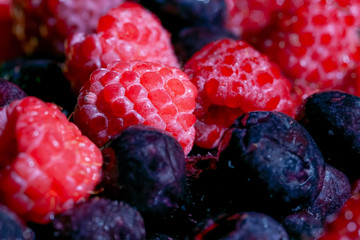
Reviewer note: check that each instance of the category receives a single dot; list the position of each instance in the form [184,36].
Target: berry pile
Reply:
[179,119]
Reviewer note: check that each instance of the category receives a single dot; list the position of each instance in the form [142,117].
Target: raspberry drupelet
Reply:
[233,78]
[137,92]
[46,164]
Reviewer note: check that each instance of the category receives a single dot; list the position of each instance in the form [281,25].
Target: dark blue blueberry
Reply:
[11,227]
[334,193]
[192,39]
[145,167]
[9,92]
[99,218]
[177,14]
[332,118]
[42,78]
[240,226]
[271,162]
[303,226]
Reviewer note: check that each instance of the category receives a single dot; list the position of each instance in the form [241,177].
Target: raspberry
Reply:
[137,92]
[46,165]
[345,224]
[128,32]
[315,46]
[233,78]
[42,26]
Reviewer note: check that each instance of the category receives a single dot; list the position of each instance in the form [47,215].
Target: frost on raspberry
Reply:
[233,78]
[127,32]
[46,164]
[315,46]
[137,92]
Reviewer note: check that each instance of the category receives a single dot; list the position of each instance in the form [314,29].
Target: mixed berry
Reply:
[180,119]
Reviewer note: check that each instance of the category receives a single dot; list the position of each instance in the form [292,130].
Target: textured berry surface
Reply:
[315,46]
[233,78]
[245,225]
[303,225]
[331,117]
[9,92]
[46,164]
[137,92]
[42,78]
[12,227]
[345,224]
[42,26]
[287,171]
[100,218]
[151,169]
[127,32]
[335,192]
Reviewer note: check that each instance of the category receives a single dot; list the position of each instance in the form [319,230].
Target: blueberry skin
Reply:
[332,118]
[9,92]
[303,225]
[335,192]
[11,227]
[151,169]
[240,226]
[274,162]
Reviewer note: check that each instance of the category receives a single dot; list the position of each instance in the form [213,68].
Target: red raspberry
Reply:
[233,78]
[43,25]
[46,165]
[9,45]
[346,223]
[128,32]
[315,46]
[137,92]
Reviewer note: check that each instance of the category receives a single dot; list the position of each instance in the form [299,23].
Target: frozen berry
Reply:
[46,164]
[42,78]
[12,227]
[42,26]
[273,160]
[127,32]
[303,225]
[9,92]
[335,192]
[233,78]
[315,46]
[137,92]
[245,225]
[331,117]
[100,218]
[150,168]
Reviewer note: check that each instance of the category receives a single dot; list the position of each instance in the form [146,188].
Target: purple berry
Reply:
[303,225]
[147,170]
[11,227]
[9,92]
[332,118]
[245,225]
[274,162]
[99,218]
[334,193]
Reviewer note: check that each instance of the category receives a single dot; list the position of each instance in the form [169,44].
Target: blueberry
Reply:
[303,225]
[148,168]
[9,92]
[42,78]
[332,118]
[99,218]
[11,227]
[192,39]
[334,193]
[272,163]
[240,226]
[177,14]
